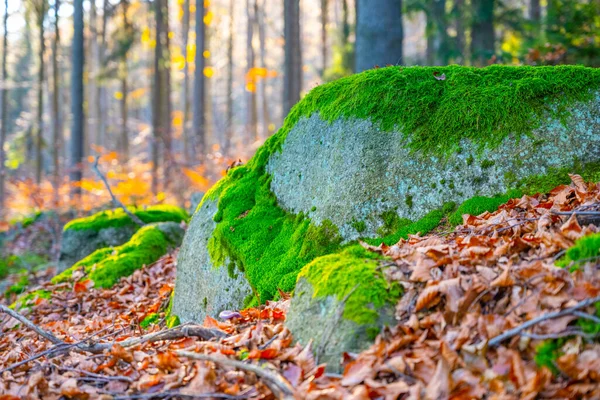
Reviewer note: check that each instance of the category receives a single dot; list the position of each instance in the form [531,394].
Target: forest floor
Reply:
[486,313]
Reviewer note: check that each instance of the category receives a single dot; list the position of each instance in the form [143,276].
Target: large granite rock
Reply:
[380,154]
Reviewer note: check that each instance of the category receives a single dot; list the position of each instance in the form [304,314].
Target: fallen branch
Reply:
[173,394]
[30,325]
[115,201]
[528,324]
[275,382]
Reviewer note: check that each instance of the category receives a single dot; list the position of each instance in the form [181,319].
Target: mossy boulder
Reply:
[380,155]
[107,265]
[81,237]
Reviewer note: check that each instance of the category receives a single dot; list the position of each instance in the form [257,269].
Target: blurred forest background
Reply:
[169,92]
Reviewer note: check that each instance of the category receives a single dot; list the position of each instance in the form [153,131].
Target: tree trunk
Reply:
[101,103]
[77,134]
[229,129]
[379,34]
[324,21]
[251,78]
[40,105]
[157,123]
[166,96]
[56,117]
[124,74]
[262,37]
[482,31]
[461,41]
[4,111]
[292,78]
[199,106]
[94,67]
[437,35]
[186,82]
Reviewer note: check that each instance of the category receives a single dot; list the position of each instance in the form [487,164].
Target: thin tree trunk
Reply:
[251,74]
[40,105]
[157,123]
[101,103]
[324,47]
[56,117]
[260,15]
[4,112]
[94,66]
[186,83]
[77,134]
[292,79]
[124,74]
[199,106]
[461,42]
[437,36]
[482,31]
[379,34]
[166,96]
[229,129]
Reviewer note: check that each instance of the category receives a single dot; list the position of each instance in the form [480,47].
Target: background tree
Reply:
[379,34]
[56,115]
[77,134]
[292,76]
[483,37]
[4,108]
[199,84]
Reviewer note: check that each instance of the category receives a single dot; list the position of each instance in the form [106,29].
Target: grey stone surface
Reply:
[173,231]
[195,199]
[201,288]
[319,319]
[77,244]
[350,170]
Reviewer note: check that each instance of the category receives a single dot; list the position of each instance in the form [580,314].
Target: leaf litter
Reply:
[486,314]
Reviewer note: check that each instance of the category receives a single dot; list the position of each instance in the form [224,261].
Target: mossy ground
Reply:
[29,299]
[485,105]
[353,275]
[106,266]
[117,217]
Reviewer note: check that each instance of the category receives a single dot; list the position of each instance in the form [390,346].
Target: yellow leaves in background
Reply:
[206,54]
[197,178]
[118,95]
[208,18]
[209,72]
[511,44]
[255,74]
[146,38]
[178,61]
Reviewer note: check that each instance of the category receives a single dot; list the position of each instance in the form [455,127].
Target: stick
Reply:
[30,325]
[175,394]
[275,382]
[115,201]
[556,314]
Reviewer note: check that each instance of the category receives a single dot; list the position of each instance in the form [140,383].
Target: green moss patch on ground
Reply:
[353,274]
[584,250]
[106,266]
[29,299]
[117,217]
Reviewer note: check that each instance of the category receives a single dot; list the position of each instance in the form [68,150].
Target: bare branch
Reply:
[273,380]
[556,314]
[30,325]
[115,201]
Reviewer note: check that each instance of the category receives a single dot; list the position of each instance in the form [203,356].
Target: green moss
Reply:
[544,183]
[18,287]
[585,249]
[270,245]
[151,319]
[29,299]
[106,266]
[339,274]
[391,223]
[485,164]
[484,105]
[117,217]
[481,204]
[359,226]
[171,320]
[547,353]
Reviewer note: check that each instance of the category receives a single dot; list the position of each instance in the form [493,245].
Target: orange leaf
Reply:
[167,361]
[83,286]
[120,353]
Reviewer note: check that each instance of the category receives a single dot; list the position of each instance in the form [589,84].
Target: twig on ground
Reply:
[567,333]
[30,325]
[175,394]
[528,324]
[115,201]
[99,376]
[275,382]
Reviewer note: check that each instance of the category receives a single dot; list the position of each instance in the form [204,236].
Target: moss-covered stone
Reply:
[341,302]
[366,155]
[106,266]
[585,249]
[30,299]
[81,237]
